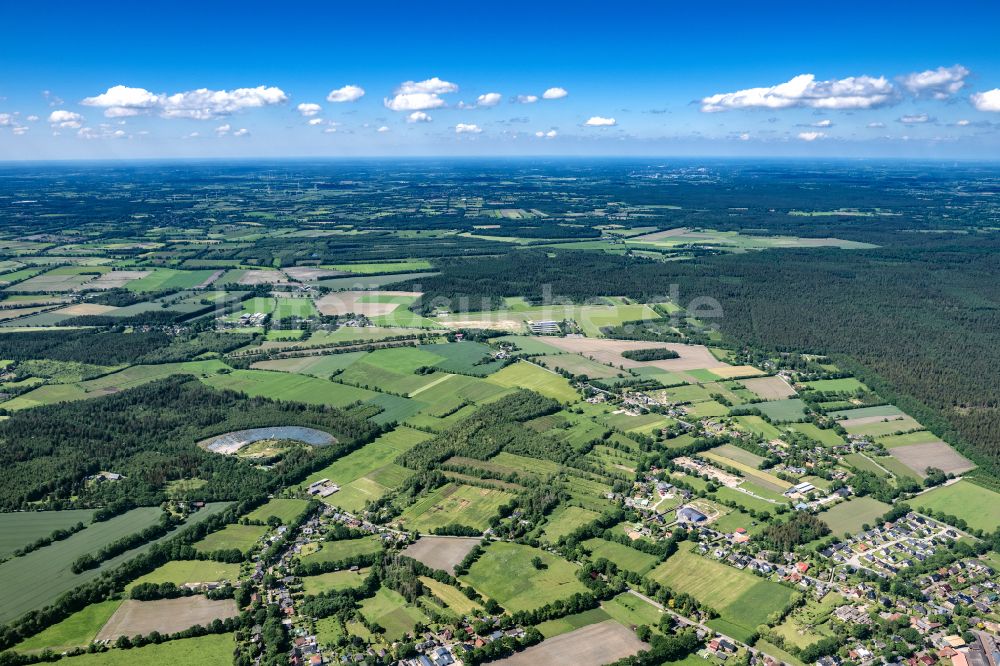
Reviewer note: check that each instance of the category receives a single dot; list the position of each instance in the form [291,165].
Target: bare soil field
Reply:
[263,277]
[114,279]
[344,302]
[770,388]
[919,457]
[86,309]
[310,273]
[660,235]
[165,616]
[441,552]
[735,371]
[210,279]
[509,325]
[692,357]
[868,420]
[593,645]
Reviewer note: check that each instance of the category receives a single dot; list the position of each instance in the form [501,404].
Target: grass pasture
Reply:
[848,517]
[285,386]
[530,376]
[454,503]
[390,610]
[336,551]
[333,581]
[977,506]
[624,556]
[285,510]
[24,527]
[77,630]
[211,650]
[451,596]
[182,572]
[565,519]
[505,573]
[239,537]
[782,411]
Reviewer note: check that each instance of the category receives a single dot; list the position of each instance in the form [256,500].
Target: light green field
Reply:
[844,385]
[864,412]
[77,630]
[758,425]
[390,610]
[977,506]
[577,365]
[805,625]
[529,376]
[903,425]
[303,308]
[169,278]
[568,623]
[22,528]
[240,537]
[181,572]
[848,517]
[565,519]
[743,600]
[451,596]
[782,410]
[505,573]
[212,650]
[285,386]
[335,580]
[336,551]
[624,556]
[826,437]
[383,267]
[631,610]
[286,510]
[454,504]
[918,437]
[317,366]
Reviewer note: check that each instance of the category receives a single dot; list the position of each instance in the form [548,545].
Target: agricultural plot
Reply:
[337,551]
[625,557]
[736,454]
[843,385]
[169,278]
[632,611]
[334,581]
[467,358]
[505,573]
[848,517]
[883,411]
[285,510]
[78,630]
[441,552]
[979,507]
[743,600]
[367,303]
[285,386]
[390,610]
[825,436]
[769,388]
[877,427]
[300,308]
[454,504]
[184,572]
[602,643]
[568,623]
[917,437]
[918,457]
[780,411]
[317,366]
[232,537]
[452,597]
[376,268]
[24,527]
[530,376]
[691,357]
[590,318]
[565,520]
[166,616]
[211,650]
[577,365]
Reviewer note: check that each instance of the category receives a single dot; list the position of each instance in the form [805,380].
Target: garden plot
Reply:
[441,552]
[939,455]
[166,616]
[367,303]
[769,388]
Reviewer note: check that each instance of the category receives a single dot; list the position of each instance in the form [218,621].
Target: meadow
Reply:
[977,506]
[22,528]
[77,630]
[211,650]
[848,517]
[335,551]
[390,610]
[454,504]
[182,572]
[566,519]
[530,376]
[333,581]
[625,557]
[285,510]
[239,537]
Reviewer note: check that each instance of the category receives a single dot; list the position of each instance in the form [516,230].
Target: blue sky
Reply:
[106,80]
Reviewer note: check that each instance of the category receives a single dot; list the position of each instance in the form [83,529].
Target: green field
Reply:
[389,610]
[578,365]
[630,610]
[285,386]
[451,596]
[505,573]
[375,268]
[302,308]
[77,630]
[530,376]
[844,385]
[918,437]
[568,623]
[240,537]
[977,506]
[758,425]
[743,600]
[780,411]
[625,557]
[286,510]
[335,580]
[849,516]
[181,572]
[565,519]
[169,278]
[24,527]
[335,551]
[212,650]
[825,436]
[453,503]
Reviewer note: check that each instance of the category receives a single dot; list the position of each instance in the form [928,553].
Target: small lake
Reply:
[231,442]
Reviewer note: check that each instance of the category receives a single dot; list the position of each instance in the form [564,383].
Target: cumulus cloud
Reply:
[826,122]
[67,119]
[308,109]
[551,134]
[418,117]
[488,99]
[463,128]
[382,129]
[32,118]
[963,123]
[223,130]
[914,119]
[854,92]
[876,125]
[811,136]
[940,83]
[6,120]
[526,99]
[598,121]
[349,93]
[745,136]
[200,104]
[242,132]
[19,129]
[554,93]
[419,95]
[986,101]
[315,121]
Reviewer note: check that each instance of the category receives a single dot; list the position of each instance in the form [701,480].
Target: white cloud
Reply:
[526,99]
[418,117]
[598,121]
[745,136]
[811,136]
[554,93]
[419,95]
[488,99]
[63,118]
[986,101]
[855,92]
[551,134]
[940,83]
[19,129]
[315,121]
[914,119]
[329,130]
[875,125]
[826,122]
[463,128]
[382,129]
[243,131]
[32,118]
[193,135]
[348,93]
[308,109]
[963,123]
[222,130]
[200,104]
[6,120]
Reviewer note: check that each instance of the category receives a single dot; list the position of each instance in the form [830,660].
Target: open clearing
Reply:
[77,630]
[939,455]
[166,616]
[335,580]
[505,573]
[977,506]
[285,510]
[593,645]
[391,611]
[441,552]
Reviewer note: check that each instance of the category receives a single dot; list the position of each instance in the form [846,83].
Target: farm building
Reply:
[687,514]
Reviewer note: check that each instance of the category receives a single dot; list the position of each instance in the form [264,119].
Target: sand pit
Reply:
[769,388]
[919,457]
[692,357]
[602,643]
[360,302]
[166,616]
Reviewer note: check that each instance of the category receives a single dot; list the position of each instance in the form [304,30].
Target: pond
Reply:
[231,442]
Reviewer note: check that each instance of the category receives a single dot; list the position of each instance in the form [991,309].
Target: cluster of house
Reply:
[967,583]
[891,547]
